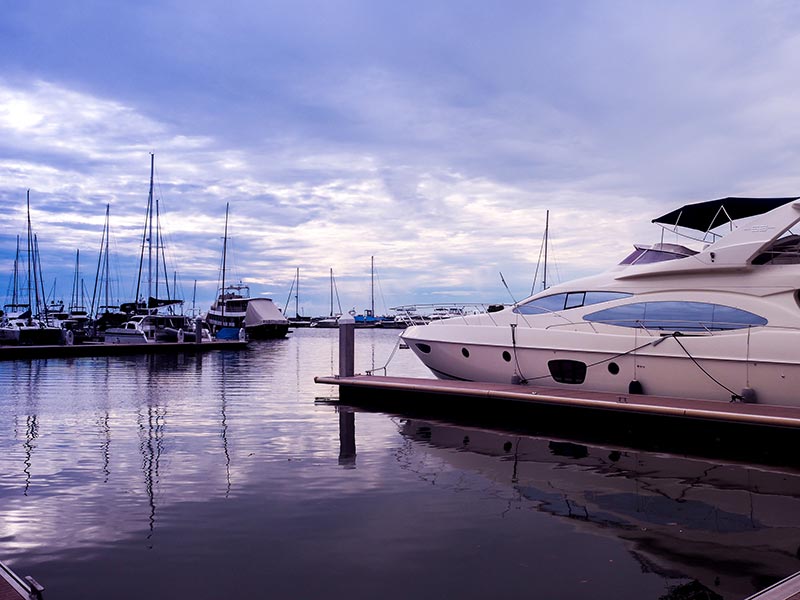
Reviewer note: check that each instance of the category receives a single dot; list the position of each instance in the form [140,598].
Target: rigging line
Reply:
[538,262]
[734,395]
[391,356]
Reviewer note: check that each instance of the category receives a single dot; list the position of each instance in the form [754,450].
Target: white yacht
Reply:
[721,322]
[155,327]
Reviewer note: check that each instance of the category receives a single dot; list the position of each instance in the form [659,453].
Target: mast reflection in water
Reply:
[218,475]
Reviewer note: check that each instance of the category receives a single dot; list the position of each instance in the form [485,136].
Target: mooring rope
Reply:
[734,396]
[391,356]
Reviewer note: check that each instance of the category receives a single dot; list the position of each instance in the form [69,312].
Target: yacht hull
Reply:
[718,367]
[267,331]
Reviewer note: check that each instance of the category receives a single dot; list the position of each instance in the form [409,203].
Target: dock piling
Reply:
[347,337]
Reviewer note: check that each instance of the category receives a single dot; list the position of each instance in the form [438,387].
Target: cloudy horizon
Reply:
[433,136]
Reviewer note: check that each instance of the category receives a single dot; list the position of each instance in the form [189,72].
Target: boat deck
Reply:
[102,349]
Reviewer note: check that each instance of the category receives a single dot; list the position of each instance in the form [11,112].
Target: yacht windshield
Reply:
[556,302]
[643,255]
[783,251]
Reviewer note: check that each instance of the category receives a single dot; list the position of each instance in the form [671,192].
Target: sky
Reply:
[433,136]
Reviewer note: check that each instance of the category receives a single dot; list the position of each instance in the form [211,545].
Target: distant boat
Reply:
[103,311]
[234,309]
[368,318]
[332,320]
[297,320]
[145,322]
[26,323]
[151,328]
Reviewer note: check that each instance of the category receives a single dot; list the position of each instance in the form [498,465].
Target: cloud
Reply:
[431,137]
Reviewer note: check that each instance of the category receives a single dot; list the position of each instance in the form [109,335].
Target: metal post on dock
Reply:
[198,330]
[347,339]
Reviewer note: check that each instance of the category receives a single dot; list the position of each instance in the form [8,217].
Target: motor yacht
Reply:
[154,327]
[721,322]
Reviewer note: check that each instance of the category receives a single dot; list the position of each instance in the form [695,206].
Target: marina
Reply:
[543,315]
[194,474]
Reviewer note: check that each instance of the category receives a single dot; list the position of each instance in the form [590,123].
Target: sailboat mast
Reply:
[38,278]
[224,262]
[150,230]
[372,284]
[76,281]
[331,291]
[546,234]
[108,275]
[15,290]
[297,294]
[30,256]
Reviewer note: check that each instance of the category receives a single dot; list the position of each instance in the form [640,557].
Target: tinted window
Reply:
[575,299]
[565,301]
[677,316]
[654,256]
[598,297]
[632,257]
[542,305]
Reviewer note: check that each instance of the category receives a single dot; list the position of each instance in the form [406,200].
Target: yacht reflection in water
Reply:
[729,529]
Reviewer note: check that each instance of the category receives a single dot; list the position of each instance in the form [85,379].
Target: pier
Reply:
[14,587]
[504,396]
[788,589]
[738,430]
[101,349]
[742,432]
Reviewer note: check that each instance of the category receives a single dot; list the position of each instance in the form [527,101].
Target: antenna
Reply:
[507,288]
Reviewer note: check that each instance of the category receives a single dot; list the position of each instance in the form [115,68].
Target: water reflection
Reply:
[193,476]
[727,528]
[347,438]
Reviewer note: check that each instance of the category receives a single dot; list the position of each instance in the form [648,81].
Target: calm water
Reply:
[219,475]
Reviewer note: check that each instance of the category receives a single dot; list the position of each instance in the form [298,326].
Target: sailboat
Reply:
[332,320]
[73,318]
[369,318]
[146,322]
[235,313]
[297,320]
[104,313]
[26,323]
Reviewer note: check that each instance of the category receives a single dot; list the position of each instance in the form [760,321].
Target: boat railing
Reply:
[423,314]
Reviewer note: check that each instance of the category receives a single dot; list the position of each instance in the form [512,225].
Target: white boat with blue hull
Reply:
[721,322]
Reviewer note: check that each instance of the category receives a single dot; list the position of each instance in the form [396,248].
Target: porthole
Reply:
[424,348]
[465,352]
[506,356]
[613,368]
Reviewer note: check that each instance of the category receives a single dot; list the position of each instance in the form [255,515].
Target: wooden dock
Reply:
[102,349]
[788,589]
[750,432]
[14,587]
